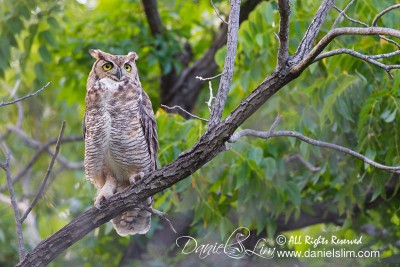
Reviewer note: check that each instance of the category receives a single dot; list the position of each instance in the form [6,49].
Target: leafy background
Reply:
[340,100]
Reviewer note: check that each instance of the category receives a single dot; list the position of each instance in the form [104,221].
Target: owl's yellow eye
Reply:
[107,66]
[127,67]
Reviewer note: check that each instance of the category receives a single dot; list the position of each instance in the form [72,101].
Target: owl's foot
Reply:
[138,177]
[103,196]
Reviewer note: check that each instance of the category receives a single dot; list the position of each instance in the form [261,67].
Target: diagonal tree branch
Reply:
[41,149]
[227,74]
[186,112]
[350,19]
[24,97]
[217,13]
[41,188]
[342,12]
[313,30]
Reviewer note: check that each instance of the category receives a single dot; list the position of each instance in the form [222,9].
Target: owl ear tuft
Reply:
[96,53]
[133,56]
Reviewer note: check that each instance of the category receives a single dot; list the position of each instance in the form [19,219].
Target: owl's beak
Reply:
[119,73]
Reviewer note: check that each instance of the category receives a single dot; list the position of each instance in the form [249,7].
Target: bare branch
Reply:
[187,112]
[375,21]
[270,134]
[332,34]
[283,52]
[350,19]
[40,149]
[216,12]
[383,12]
[208,78]
[227,73]
[342,13]
[275,123]
[367,58]
[303,161]
[314,28]
[41,188]
[160,214]
[24,97]
[6,167]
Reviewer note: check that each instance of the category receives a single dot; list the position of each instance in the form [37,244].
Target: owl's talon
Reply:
[134,179]
[102,198]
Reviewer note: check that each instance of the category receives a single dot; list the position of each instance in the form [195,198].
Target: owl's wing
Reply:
[149,126]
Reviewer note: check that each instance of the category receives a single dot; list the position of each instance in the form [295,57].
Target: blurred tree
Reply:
[279,185]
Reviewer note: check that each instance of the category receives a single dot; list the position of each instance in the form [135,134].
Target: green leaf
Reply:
[15,25]
[45,54]
[33,29]
[242,175]
[39,71]
[220,56]
[293,192]
[256,154]
[53,22]
[259,39]
[47,37]
[271,227]
[24,11]
[270,168]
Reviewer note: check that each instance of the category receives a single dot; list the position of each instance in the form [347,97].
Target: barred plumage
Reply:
[120,132]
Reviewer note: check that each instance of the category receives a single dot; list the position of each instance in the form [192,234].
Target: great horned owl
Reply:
[120,133]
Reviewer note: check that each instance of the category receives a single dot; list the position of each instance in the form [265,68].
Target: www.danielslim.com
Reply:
[328,253]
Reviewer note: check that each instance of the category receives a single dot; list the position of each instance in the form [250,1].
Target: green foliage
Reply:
[340,100]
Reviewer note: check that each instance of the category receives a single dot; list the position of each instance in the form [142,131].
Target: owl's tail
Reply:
[135,221]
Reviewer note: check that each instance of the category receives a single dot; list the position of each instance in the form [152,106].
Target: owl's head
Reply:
[116,67]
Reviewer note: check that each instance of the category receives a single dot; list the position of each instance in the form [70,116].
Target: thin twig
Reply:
[42,148]
[275,123]
[187,112]
[227,73]
[350,19]
[208,78]
[24,97]
[367,58]
[6,167]
[42,186]
[216,12]
[210,100]
[303,161]
[313,30]
[270,134]
[383,12]
[377,17]
[38,145]
[332,34]
[160,214]
[342,13]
